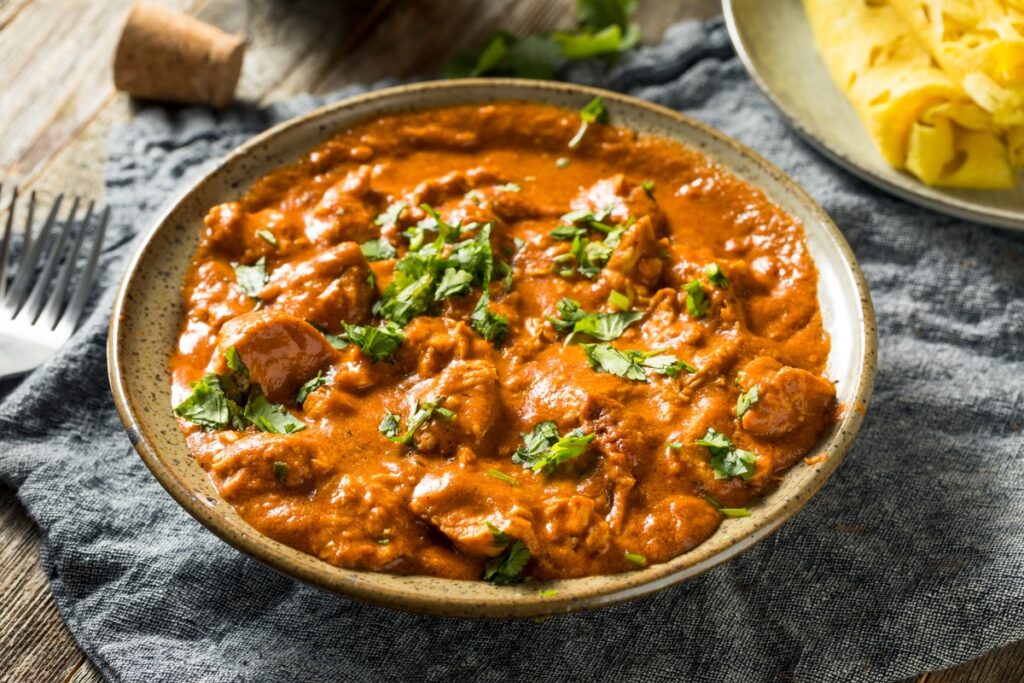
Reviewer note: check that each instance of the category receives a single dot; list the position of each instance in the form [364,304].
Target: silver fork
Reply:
[34,320]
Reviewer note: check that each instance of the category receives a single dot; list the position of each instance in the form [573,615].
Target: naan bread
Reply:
[921,118]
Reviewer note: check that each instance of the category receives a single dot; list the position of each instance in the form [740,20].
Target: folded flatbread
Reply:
[920,117]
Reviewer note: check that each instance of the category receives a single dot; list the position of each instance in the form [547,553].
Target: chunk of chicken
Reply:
[462,504]
[264,462]
[470,390]
[787,398]
[637,261]
[326,288]
[280,351]
[342,214]
[670,526]
[625,200]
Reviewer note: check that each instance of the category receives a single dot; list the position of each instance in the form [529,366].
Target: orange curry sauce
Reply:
[452,498]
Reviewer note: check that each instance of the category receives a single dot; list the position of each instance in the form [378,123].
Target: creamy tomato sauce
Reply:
[635,487]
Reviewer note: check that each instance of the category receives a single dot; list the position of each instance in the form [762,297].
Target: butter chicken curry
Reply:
[499,341]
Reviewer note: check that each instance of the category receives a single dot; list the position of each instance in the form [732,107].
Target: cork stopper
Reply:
[168,56]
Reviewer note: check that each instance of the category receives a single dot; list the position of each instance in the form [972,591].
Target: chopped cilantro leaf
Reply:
[507,568]
[746,400]
[268,237]
[631,364]
[378,250]
[648,186]
[636,558]
[376,342]
[271,417]
[234,362]
[492,326]
[674,445]
[251,279]
[727,460]
[567,232]
[593,111]
[501,476]
[715,276]
[309,387]
[547,593]
[453,283]
[619,300]
[543,450]
[208,406]
[600,326]
[280,471]
[391,215]
[383,541]
[735,512]
[508,187]
[696,300]
[338,341]
[420,415]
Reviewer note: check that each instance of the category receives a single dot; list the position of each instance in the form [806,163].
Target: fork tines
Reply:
[35,291]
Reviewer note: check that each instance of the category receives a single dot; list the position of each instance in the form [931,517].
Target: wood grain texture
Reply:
[58,107]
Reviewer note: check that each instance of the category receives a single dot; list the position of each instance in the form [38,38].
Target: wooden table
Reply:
[58,104]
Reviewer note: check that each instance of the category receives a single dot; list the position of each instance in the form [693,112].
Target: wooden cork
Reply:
[169,56]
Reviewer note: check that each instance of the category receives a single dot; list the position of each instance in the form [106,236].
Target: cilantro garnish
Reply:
[492,326]
[746,400]
[727,460]
[603,29]
[508,187]
[268,237]
[420,415]
[378,250]
[543,450]
[507,568]
[728,512]
[715,276]
[619,300]
[208,406]
[501,476]
[391,215]
[697,302]
[379,342]
[280,471]
[271,417]
[309,387]
[216,402]
[251,279]
[636,558]
[600,326]
[585,256]
[593,111]
[631,364]
[648,186]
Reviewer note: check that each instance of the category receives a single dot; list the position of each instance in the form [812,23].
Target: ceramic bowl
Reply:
[146,317]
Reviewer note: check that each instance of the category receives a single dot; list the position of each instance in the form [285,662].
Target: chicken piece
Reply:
[787,398]
[568,517]
[263,462]
[325,289]
[341,214]
[624,199]
[431,343]
[281,352]
[212,295]
[637,260]
[462,505]
[669,527]
[470,390]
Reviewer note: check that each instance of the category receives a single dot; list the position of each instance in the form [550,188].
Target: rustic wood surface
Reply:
[58,104]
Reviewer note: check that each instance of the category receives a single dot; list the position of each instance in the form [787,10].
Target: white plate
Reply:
[774,42]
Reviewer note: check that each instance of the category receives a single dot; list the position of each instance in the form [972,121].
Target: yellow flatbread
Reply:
[920,118]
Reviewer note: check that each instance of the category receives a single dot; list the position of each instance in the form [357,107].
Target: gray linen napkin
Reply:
[911,559]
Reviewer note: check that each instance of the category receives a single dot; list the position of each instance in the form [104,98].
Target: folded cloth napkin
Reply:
[911,559]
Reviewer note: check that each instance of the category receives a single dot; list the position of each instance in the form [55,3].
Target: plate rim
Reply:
[511,602]
[998,218]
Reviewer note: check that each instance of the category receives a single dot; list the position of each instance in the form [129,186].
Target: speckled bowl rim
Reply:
[446,597]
